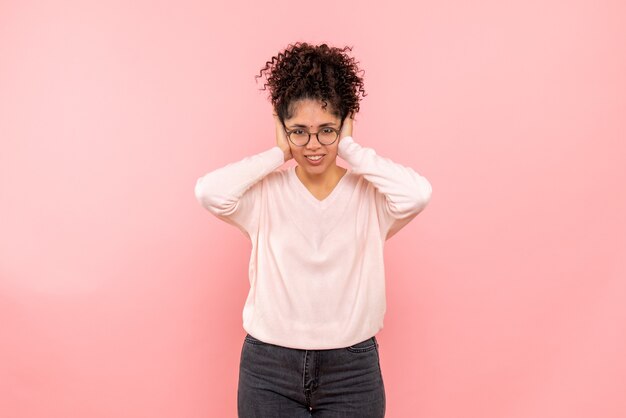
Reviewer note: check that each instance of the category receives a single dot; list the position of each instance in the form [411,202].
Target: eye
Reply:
[298,132]
[328,130]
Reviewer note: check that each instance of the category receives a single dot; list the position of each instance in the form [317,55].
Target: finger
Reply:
[347,127]
[281,137]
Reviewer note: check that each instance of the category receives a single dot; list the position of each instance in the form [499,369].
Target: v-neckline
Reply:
[310,197]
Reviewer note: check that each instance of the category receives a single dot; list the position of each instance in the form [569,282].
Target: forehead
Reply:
[311,112]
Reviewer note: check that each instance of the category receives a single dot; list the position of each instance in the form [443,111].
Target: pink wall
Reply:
[121,297]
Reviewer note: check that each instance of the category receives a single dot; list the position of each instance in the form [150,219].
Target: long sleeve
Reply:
[403,193]
[230,193]
[316,271]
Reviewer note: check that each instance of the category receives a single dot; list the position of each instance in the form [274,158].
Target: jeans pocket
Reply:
[364,346]
[250,339]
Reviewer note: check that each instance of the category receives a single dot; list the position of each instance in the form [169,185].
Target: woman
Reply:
[317,286]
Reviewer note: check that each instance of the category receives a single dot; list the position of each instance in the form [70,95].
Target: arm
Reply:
[229,192]
[403,192]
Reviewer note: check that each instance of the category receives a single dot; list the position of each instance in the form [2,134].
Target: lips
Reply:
[314,159]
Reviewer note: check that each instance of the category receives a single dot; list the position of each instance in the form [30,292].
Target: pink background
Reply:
[121,297]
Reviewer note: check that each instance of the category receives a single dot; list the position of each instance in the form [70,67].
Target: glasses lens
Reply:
[299,137]
[327,136]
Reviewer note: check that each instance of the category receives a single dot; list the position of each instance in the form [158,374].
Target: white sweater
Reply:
[316,271]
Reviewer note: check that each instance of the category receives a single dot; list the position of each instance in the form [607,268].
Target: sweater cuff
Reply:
[277,155]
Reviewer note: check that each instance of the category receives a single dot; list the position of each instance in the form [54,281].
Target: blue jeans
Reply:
[277,382]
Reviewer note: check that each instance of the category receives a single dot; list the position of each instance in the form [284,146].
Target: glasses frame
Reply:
[338,131]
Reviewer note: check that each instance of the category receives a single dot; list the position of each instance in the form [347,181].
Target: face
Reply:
[314,158]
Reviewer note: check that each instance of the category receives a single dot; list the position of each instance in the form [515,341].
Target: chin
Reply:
[314,170]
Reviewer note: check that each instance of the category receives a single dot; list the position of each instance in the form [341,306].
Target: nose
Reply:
[314,143]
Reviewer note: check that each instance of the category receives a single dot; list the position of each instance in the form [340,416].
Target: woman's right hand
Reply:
[281,138]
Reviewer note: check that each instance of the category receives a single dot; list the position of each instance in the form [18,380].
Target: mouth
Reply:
[314,157]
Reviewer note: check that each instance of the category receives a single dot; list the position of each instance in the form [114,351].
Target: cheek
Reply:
[332,151]
[296,151]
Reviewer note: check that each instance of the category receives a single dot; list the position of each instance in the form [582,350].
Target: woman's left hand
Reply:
[346,128]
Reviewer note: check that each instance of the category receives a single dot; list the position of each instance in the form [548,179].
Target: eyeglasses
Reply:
[300,137]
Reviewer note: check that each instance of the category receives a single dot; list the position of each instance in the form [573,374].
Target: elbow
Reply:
[210,198]
[412,201]
[420,197]
[425,191]
[201,192]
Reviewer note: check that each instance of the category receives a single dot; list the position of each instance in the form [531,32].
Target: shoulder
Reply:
[357,182]
[278,178]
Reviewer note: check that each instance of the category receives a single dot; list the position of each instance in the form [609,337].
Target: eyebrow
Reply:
[299,125]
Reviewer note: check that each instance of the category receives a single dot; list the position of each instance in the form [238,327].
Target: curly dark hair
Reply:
[305,71]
